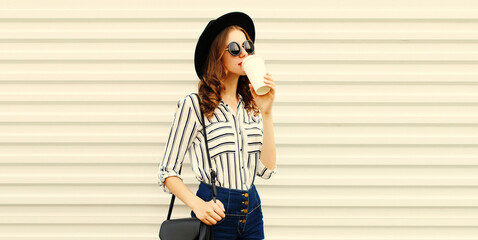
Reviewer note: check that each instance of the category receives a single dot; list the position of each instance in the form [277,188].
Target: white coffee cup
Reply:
[255,69]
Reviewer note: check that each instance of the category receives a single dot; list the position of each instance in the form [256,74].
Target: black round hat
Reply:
[213,28]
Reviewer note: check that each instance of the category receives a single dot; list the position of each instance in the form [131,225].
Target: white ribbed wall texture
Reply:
[376,116]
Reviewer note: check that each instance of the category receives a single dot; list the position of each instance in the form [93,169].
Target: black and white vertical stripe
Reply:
[234,143]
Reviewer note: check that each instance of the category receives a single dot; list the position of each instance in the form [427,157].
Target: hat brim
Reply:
[213,28]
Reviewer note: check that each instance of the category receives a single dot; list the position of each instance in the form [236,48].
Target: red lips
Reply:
[240,64]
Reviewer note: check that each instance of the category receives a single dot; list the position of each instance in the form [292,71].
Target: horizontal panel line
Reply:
[271,61]
[263,40]
[266,35]
[305,235]
[289,221]
[283,160]
[155,144]
[318,202]
[284,77]
[309,98]
[417,81]
[159,55]
[310,181]
[276,102]
[138,138]
[296,103]
[145,118]
[308,234]
[297,18]
[465,122]
[467,13]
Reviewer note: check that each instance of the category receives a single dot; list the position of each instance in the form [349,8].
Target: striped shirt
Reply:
[234,143]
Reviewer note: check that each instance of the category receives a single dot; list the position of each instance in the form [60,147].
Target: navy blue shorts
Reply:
[243,219]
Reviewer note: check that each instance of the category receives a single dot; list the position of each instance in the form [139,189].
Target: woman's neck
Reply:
[230,92]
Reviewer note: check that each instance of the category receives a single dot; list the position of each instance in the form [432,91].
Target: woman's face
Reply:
[233,63]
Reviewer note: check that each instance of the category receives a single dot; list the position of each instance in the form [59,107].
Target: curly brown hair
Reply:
[211,84]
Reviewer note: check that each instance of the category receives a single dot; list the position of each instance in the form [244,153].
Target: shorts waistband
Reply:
[236,202]
[223,189]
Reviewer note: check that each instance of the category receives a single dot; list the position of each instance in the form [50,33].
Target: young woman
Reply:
[239,130]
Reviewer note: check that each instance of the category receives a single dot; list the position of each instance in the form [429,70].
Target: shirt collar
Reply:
[240,103]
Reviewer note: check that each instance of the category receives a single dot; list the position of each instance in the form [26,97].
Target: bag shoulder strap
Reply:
[213,173]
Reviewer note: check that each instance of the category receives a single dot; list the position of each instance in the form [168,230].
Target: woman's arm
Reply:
[208,212]
[181,191]
[268,152]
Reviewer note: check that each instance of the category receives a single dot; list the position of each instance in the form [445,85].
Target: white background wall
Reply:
[376,116]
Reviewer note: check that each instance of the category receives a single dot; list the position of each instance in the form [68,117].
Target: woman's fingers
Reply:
[212,220]
[210,212]
[209,218]
[217,213]
[220,214]
[214,213]
[217,217]
[270,84]
[207,222]
[220,205]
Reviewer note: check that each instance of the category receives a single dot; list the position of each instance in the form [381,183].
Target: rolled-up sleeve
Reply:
[263,171]
[182,133]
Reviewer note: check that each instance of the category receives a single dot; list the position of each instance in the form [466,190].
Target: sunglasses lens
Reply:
[249,46]
[234,48]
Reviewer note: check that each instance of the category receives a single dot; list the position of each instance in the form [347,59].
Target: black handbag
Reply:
[189,228]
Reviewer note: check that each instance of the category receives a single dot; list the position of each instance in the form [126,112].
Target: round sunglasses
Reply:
[235,49]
